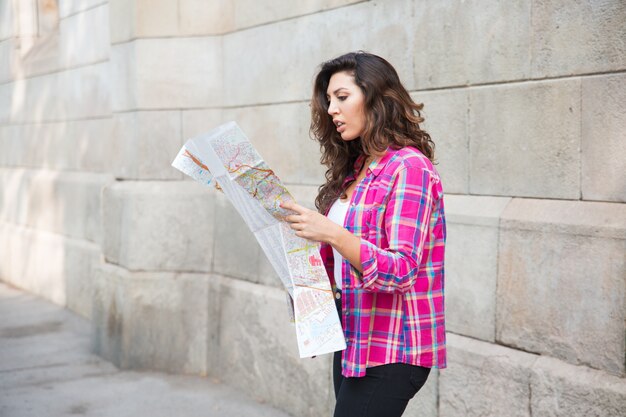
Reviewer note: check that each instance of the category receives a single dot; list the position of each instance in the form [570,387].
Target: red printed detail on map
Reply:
[315,261]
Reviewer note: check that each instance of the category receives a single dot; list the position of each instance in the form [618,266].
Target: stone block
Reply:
[483,379]
[7,30]
[8,54]
[71,7]
[377,26]
[563,390]
[86,92]
[195,122]
[425,402]
[159,225]
[603,140]
[95,149]
[561,288]
[445,114]
[258,350]
[6,102]
[236,252]
[525,139]
[167,73]
[84,37]
[124,76]
[131,19]
[280,133]
[247,13]
[63,203]
[472,264]
[577,37]
[469,42]
[78,93]
[49,265]
[148,142]
[199,17]
[152,320]
[45,145]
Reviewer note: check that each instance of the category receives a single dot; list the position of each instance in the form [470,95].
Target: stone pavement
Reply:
[47,369]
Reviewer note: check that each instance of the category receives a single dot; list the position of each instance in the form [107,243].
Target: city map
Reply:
[225,158]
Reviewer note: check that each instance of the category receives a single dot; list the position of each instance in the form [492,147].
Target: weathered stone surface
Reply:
[377,26]
[62,203]
[70,7]
[84,37]
[78,93]
[563,390]
[7,59]
[525,139]
[237,253]
[248,13]
[149,141]
[6,102]
[195,122]
[445,114]
[603,138]
[284,127]
[148,18]
[424,404]
[199,17]
[577,37]
[152,320]
[561,282]
[46,145]
[472,264]
[52,266]
[80,39]
[483,379]
[468,42]
[6,19]
[258,350]
[167,73]
[159,226]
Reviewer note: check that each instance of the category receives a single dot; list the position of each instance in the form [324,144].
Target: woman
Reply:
[383,240]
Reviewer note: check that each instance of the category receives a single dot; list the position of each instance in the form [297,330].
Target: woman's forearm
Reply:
[349,246]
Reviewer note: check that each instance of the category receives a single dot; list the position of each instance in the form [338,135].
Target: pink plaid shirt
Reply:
[394,311]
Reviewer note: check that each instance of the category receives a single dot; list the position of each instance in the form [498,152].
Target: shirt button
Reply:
[337,295]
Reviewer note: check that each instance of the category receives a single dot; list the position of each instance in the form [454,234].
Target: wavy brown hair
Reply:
[391,119]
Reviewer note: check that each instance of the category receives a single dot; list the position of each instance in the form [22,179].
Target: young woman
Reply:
[382,228]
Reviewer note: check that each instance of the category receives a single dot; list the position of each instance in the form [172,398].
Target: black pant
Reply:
[384,391]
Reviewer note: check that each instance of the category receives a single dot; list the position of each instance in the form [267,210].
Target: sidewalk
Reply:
[47,369]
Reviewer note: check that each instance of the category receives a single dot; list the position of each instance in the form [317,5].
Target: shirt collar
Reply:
[375,167]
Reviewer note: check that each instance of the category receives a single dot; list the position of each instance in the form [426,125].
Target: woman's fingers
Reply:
[292,205]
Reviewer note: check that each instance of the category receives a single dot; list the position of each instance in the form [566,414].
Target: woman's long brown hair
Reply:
[392,119]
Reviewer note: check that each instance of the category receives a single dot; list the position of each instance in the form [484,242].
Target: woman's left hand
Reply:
[310,224]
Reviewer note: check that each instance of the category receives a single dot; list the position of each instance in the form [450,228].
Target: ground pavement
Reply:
[48,370]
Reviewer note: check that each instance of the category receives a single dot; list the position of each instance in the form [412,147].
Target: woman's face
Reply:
[346,105]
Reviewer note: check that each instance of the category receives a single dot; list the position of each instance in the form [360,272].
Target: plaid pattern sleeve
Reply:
[393,312]
[406,223]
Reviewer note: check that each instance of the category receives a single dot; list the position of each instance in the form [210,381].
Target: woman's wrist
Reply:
[336,236]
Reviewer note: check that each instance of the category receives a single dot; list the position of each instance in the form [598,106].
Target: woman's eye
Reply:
[342,98]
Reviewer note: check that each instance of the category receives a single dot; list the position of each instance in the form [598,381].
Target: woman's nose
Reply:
[332,109]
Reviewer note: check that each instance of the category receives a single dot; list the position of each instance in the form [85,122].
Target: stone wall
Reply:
[525,101]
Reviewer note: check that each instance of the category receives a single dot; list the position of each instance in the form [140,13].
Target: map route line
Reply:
[313,288]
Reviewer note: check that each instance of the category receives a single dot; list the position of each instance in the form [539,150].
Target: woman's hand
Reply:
[310,224]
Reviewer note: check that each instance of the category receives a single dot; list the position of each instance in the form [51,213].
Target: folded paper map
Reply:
[225,158]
